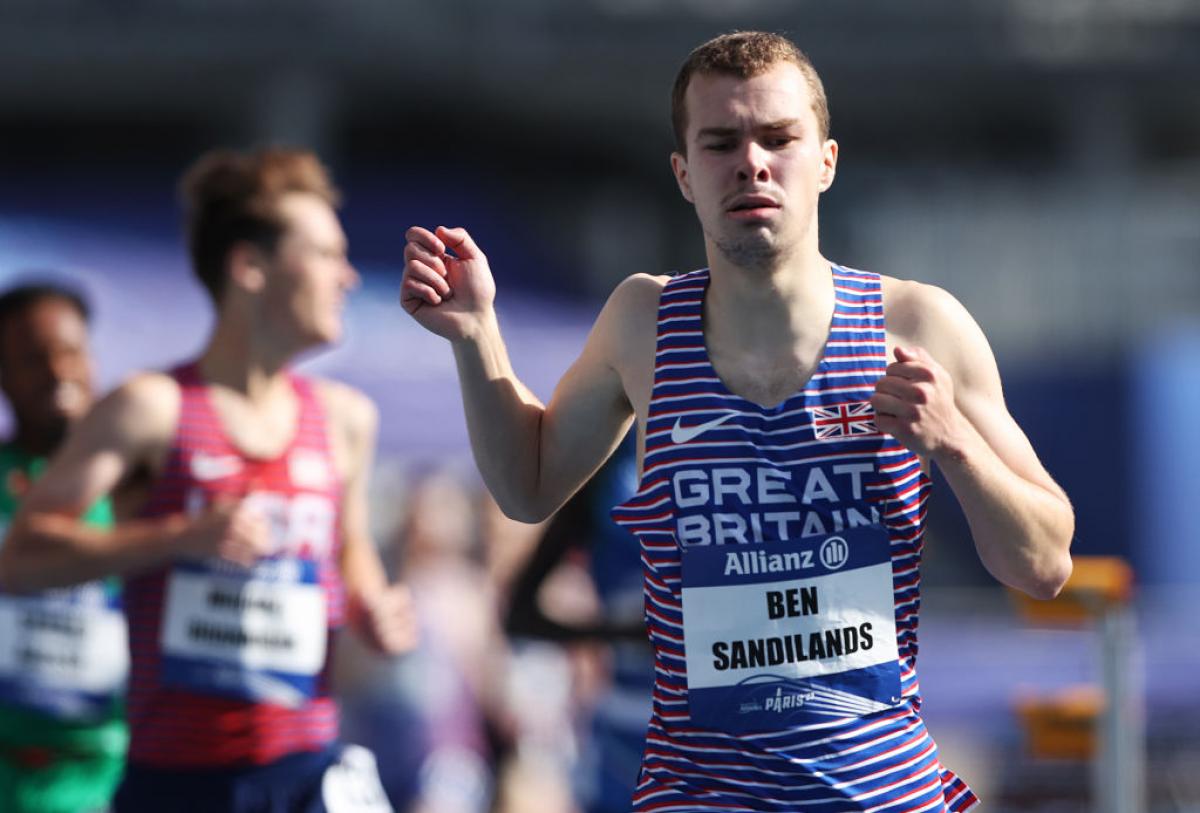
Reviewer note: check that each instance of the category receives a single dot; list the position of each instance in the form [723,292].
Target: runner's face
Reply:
[756,163]
[309,271]
[46,363]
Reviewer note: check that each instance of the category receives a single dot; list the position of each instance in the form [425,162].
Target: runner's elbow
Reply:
[531,501]
[1048,581]
[526,510]
[522,500]
[1056,580]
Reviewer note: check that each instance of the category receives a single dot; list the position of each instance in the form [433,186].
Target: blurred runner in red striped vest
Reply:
[243,535]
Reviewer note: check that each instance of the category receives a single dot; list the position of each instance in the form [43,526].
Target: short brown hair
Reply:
[743,54]
[231,197]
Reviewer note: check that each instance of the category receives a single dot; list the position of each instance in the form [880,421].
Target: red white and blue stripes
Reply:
[174,728]
[843,473]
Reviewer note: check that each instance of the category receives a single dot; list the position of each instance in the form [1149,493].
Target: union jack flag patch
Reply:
[851,420]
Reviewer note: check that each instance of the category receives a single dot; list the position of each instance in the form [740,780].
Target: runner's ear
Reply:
[246,265]
[680,168]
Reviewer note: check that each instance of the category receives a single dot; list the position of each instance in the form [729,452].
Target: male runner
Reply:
[63,658]
[781,500]
[244,484]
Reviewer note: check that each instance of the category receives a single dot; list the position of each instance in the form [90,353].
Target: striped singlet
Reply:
[785,498]
[300,494]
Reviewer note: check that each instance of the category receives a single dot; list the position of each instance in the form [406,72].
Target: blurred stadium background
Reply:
[1040,159]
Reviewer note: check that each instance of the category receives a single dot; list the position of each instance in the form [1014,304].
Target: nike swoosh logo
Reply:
[682,434]
[214,467]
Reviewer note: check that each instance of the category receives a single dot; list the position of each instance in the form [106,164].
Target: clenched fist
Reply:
[388,620]
[914,403]
[234,531]
[447,285]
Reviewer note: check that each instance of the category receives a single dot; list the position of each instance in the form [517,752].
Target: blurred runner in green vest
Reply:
[63,653]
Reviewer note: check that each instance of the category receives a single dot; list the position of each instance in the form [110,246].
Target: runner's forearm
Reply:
[43,551]
[362,573]
[1022,530]
[504,420]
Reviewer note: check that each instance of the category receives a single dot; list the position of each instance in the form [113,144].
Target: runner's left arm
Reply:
[381,613]
[942,398]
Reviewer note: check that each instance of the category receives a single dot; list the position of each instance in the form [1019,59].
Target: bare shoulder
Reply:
[631,313]
[643,285]
[145,406]
[636,297]
[917,313]
[626,333]
[124,437]
[348,409]
[927,315]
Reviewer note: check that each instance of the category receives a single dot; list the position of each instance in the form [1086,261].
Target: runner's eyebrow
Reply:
[716,132]
[725,132]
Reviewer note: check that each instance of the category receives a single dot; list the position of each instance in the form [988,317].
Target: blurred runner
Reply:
[63,653]
[247,541]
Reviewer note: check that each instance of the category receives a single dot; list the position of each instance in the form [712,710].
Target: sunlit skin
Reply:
[302,292]
[46,372]
[755,167]
[275,305]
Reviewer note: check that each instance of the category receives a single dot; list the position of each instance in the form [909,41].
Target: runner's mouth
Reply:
[753,204]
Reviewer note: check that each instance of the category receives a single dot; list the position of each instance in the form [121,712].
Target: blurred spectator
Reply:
[583,543]
[425,715]
[545,684]
[489,724]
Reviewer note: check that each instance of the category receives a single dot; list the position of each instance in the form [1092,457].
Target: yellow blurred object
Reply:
[1102,723]
[1097,584]
[1063,725]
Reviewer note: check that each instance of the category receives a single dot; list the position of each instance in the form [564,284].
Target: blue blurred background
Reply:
[1040,159]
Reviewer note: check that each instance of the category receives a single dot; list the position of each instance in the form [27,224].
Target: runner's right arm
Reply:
[532,456]
[47,545]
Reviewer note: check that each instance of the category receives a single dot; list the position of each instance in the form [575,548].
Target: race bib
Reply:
[64,652]
[791,632]
[256,634]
